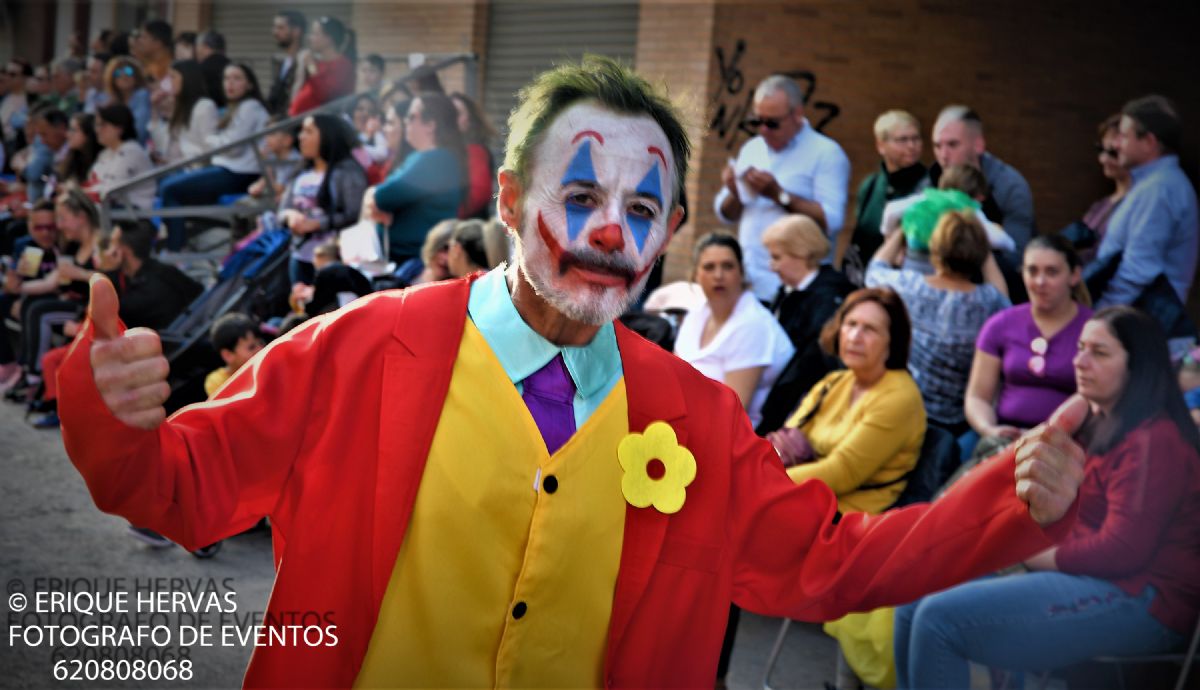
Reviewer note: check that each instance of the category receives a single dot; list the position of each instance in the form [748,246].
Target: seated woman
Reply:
[1098,214]
[429,185]
[732,338]
[231,172]
[1022,369]
[82,149]
[475,245]
[122,159]
[948,309]
[860,429]
[481,170]
[368,125]
[810,294]
[1123,581]
[183,131]
[78,222]
[326,196]
[435,253]
[125,84]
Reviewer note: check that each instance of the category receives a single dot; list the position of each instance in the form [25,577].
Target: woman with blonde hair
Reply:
[809,296]
[475,245]
[900,174]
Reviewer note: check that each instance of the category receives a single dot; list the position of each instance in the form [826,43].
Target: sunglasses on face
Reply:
[768,122]
[125,71]
[1103,151]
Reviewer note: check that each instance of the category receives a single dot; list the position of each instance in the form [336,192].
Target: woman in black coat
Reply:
[810,295]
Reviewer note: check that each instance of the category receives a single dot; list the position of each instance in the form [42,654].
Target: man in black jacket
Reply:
[152,293]
[288,32]
[210,51]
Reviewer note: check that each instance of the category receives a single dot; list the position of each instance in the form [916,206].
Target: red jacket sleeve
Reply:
[333,79]
[479,173]
[211,470]
[793,561]
[1144,481]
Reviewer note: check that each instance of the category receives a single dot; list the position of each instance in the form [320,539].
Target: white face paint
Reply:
[596,211]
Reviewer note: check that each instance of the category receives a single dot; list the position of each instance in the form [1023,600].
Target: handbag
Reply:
[1080,235]
[1158,299]
[362,247]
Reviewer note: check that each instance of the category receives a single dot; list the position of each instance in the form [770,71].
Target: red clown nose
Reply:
[607,239]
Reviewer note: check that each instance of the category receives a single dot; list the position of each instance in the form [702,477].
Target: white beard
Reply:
[596,307]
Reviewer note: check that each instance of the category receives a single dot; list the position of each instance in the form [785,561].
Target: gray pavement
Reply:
[50,532]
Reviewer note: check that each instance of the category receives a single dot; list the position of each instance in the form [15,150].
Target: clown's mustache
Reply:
[598,262]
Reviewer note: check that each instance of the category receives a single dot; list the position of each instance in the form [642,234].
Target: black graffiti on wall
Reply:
[732,104]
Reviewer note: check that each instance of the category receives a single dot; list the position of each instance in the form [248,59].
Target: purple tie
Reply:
[549,393]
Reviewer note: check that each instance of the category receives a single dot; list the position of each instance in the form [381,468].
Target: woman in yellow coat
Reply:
[860,429]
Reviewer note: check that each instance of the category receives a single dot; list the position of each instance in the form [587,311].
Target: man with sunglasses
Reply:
[16,102]
[788,168]
[1154,229]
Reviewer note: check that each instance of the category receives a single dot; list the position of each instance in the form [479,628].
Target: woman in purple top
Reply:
[1022,369]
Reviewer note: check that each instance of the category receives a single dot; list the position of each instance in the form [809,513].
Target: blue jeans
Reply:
[1031,622]
[196,188]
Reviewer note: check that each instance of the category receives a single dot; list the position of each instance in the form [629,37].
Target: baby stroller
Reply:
[253,280]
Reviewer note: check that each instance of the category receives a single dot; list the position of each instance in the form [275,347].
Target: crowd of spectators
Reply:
[937,304]
[399,159]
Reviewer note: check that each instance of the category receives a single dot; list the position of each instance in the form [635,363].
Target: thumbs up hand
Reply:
[129,368]
[1050,464]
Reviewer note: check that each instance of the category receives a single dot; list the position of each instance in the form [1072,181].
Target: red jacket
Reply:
[333,79]
[327,432]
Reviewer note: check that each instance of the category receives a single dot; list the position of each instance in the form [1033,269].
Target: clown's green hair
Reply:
[605,81]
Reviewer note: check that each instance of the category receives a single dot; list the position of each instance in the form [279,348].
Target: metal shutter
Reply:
[525,38]
[246,25]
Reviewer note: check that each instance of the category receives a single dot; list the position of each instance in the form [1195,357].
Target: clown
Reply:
[488,482]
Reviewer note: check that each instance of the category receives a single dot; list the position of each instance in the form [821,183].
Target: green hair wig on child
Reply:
[921,218]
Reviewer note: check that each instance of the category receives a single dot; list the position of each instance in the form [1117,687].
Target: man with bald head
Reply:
[788,168]
[488,482]
[958,140]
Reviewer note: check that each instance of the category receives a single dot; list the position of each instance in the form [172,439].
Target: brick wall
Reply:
[400,28]
[1041,76]
[684,68]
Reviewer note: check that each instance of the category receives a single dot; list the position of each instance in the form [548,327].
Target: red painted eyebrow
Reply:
[658,152]
[589,133]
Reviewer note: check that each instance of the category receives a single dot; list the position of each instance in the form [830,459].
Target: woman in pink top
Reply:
[1123,582]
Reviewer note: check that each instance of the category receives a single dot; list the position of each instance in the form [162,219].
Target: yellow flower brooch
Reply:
[657,469]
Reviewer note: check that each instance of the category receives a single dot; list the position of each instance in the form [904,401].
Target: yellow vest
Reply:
[500,581]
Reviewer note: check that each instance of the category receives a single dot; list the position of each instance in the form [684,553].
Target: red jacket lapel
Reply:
[429,328]
[653,394]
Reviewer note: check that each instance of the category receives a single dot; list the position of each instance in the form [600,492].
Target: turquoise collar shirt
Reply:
[594,368]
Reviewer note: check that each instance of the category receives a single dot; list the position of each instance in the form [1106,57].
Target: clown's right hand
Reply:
[129,368]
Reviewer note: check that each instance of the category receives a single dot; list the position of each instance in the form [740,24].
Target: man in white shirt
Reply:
[788,168]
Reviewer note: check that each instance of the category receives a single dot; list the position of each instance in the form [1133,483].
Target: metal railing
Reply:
[119,193]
